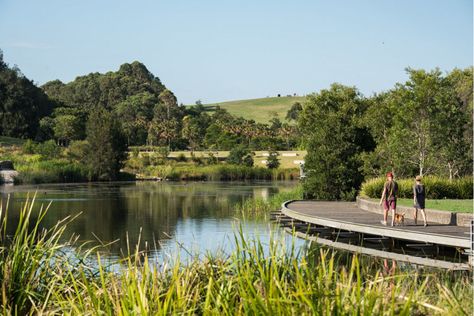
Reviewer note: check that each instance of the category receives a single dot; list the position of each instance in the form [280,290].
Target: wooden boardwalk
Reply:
[348,217]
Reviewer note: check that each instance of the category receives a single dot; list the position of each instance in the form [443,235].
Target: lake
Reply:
[167,217]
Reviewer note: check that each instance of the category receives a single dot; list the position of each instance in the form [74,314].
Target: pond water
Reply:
[168,217]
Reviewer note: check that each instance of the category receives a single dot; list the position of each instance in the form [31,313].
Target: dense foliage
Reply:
[423,126]
[22,104]
[149,113]
[435,187]
[335,137]
[106,149]
[420,127]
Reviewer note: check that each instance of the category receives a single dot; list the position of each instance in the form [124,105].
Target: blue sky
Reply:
[225,50]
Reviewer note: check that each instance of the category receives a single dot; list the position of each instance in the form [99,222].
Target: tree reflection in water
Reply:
[195,213]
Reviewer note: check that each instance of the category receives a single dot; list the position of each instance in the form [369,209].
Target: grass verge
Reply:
[462,206]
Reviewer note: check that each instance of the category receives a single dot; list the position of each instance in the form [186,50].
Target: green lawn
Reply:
[10,141]
[259,110]
[288,159]
[463,206]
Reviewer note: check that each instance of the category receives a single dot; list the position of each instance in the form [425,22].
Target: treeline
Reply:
[423,126]
[147,111]
[420,127]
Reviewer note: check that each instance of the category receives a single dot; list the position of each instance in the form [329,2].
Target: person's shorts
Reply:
[390,205]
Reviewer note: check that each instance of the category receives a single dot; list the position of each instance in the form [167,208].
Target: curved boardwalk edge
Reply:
[382,254]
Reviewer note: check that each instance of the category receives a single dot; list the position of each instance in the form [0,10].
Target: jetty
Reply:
[347,226]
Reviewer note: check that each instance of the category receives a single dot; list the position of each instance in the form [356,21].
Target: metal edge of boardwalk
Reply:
[382,254]
[396,233]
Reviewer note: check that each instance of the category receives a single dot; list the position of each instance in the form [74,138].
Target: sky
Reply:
[215,51]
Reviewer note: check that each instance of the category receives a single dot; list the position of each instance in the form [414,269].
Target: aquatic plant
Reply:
[40,276]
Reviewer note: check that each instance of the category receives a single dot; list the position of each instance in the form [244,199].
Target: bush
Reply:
[48,149]
[240,155]
[181,158]
[29,147]
[77,150]
[436,188]
[248,160]
[273,162]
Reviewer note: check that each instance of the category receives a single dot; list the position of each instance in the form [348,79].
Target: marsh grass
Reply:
[261,207]
[39,277]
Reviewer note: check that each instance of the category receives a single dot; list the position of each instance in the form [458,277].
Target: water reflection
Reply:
[198,214]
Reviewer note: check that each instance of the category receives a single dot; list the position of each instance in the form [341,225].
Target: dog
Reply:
[399,219]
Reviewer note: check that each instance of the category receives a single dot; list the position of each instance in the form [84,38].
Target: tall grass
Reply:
[220,172]
[436,188]
[262,207]
[52,171]
[39,277]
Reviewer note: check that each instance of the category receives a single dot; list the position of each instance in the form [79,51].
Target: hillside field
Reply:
[260,110]
[10,141]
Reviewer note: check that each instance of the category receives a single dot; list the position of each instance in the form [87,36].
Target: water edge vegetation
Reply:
[39,275]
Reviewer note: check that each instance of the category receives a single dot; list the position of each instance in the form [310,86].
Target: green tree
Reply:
[420,127]
[335,136]
[240,155]
[273,162]
[22,104]
[294,111]
[107,148]
[66,128]
[136,112]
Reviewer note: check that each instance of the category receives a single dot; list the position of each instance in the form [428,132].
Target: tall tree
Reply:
[335,136]
[107,148]
[22,104]
[420,127]
[294,112]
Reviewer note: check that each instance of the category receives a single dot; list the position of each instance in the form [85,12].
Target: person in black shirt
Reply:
[419,200]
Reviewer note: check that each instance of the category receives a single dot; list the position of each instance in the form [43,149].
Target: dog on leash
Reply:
[399,219]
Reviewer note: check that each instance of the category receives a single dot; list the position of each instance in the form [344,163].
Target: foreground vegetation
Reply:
[40,275]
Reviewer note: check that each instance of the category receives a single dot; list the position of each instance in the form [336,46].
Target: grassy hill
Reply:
[260,110]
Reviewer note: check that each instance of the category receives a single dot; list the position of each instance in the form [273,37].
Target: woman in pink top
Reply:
[389,198]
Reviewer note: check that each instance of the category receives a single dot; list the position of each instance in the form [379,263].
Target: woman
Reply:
[419,199]
[389,198]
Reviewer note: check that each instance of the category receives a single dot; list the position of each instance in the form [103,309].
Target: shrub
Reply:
[436,188]
[146,160]
[29,147]
[272,162]
[248,160]
[212,160]
[77,150]
[48,149]
[239,155]
[197,160]
[181,158]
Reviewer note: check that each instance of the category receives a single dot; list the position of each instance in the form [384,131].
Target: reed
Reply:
[40,277]
[262,207]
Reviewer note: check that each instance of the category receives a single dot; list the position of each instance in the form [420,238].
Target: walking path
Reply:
[347,216]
